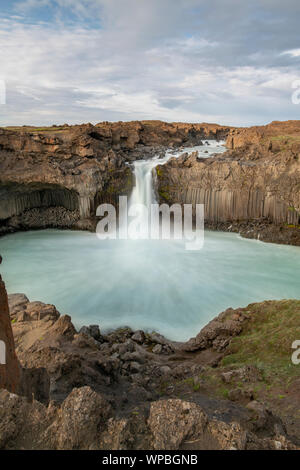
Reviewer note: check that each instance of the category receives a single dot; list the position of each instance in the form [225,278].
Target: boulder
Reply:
[245,374]
[176,424]
[158,349]
[21,422]
[17,302]
[139,337]
[92,330]
[173,421]
[217,334]
[80,420]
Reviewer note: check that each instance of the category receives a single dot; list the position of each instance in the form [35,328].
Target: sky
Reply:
[231,62]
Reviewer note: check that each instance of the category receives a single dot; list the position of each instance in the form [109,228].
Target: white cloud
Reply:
[293,53]
[149,59]
[26,5]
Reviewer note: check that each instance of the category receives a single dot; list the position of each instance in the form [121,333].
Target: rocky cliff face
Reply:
[57,176]
[9,367]
[251,186]
[273,135]
[54,180]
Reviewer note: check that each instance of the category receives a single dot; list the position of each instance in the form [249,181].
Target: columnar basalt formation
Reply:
[250,185]
[56,177]
[52,181]
[9,367]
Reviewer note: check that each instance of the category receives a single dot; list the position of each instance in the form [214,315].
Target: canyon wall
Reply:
[53,181]
[57,176]
[224,205]
[251,183]
[9,367]
[232,190]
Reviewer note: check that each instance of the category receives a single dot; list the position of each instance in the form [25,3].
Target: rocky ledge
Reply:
[137,390]
[57,176]
[253,188]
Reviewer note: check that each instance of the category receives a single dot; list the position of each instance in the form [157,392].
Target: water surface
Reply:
[147,284]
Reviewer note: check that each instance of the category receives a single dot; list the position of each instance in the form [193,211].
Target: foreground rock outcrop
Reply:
[252,189]
[124,390]
[82,422]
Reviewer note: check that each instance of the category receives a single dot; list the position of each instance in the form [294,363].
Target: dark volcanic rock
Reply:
[92,330]
[217,333]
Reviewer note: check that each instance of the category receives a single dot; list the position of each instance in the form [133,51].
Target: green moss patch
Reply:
[284,142]
[266,341]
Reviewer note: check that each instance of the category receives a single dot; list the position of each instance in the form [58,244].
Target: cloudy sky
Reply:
[226,61]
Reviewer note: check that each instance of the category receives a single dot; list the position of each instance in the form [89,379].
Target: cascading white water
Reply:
[143,193]
[147,284]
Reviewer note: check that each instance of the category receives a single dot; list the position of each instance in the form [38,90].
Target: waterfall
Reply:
[142,197]
[143,194]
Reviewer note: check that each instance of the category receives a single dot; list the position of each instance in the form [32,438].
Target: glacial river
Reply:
[147,284]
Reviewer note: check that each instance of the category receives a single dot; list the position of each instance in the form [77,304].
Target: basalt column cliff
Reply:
[253,188]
